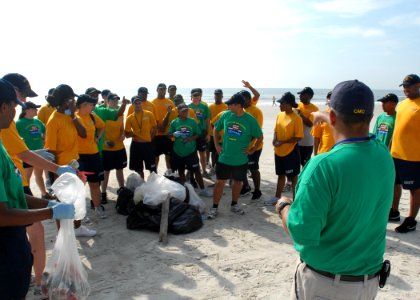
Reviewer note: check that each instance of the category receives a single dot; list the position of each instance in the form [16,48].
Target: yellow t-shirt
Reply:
[113,133]
[307,109]
[141,125]
[88,145]
[161,106]
[257,114]
[324,133]
[62,138]
[14,145]
[287,126]
[406,137]
[215,109]
[45,112]
[146,105]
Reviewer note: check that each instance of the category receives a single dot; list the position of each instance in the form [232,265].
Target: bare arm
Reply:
[38,161]
[284,212]
[256,145]
[19,217]
[317,141]
[253,91]
[123,106]
[216,138]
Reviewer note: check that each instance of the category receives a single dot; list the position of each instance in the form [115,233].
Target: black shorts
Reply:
[114,160]
[142,152]
[407,173]
[254,159]
[201,144]
[15,262]
[27,190]
[225,172]
[91,163]
[26,166]
[210,145]
[189,162]
[288,165]
[163,145]
[305,154]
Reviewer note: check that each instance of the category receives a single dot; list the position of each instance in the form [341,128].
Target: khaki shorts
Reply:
[308,284]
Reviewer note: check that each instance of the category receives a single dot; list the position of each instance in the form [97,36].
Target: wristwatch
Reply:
[282,205]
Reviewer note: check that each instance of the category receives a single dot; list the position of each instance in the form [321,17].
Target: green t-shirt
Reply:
[239,131]
[32,132]
[11,189]
[187,127]
[384,127]
[202,113]
[105,114]
[339,217]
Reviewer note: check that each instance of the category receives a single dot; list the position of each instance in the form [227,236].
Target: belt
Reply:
[349,278]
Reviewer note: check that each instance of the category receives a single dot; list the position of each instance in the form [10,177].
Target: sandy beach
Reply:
[231,257]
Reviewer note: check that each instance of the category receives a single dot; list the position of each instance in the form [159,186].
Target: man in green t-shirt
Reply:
[239,129]
[185,131]
[339,216]
[385,123]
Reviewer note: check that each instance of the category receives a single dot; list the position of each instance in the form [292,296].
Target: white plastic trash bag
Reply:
[157,187]
[64,277]
[134,181]
[195,200]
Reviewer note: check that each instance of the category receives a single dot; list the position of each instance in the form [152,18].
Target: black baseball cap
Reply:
[196,91]
[135,98]
[236,99]
[171,86]
[218,91]
[389,97]
[352,97]
[8,93]
[306,90]
[143,90]
[161,86]
[20,83]
[105,93]
[112,96]
[92,90]
[30,104]
[410,80]
[288,98]
[85,98]
[182,107]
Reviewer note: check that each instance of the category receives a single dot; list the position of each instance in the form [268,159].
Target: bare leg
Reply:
[281,180]
[104,183]
[218,191]
[397,196]
[181,172]
[256,178]
[236,190]
[40,180]
[95,194]
[199,179]
[414,203]
[28,174]
[203,164]
[120,177]
[36,238]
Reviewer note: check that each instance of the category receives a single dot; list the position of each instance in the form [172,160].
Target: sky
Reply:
[122,45]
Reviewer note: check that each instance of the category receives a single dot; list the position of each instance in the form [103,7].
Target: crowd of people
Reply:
[224,139]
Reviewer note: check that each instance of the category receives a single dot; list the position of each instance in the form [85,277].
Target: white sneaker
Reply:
[100,213]
[212,213]
[168,172]
[38,295]
[237,209]
[205,193]
[83,231]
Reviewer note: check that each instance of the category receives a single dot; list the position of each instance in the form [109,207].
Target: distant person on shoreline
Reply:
[405,149]
[274,101]
[341,206]
[385,122]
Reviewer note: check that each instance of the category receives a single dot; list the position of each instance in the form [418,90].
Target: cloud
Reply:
[338,32]
[406,20]
[355,8]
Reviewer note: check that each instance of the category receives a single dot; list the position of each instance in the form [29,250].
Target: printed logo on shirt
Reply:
[383,128]
[234,130]
[35,130]
[199,114]
[18,174]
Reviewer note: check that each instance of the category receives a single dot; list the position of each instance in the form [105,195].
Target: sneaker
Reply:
[205,193]
[256,195]
[237,209]
[408,225]
[104,199]
[394,215]
[212,171]
[212,213]
[83,231]
[168,172]
[206,175]
[245,191]
[100,213]
[38,295]
[48,196]
[272,201]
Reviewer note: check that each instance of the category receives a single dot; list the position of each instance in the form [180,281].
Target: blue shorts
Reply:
[15,262]
[407,173]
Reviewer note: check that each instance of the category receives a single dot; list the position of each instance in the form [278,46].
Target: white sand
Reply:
[232,257]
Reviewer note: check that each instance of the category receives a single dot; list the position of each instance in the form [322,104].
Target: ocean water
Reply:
[267,94]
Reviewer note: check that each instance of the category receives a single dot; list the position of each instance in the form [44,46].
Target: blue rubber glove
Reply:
[65,169]
[177,134]
[45,154]
[63,211]
[52,203]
